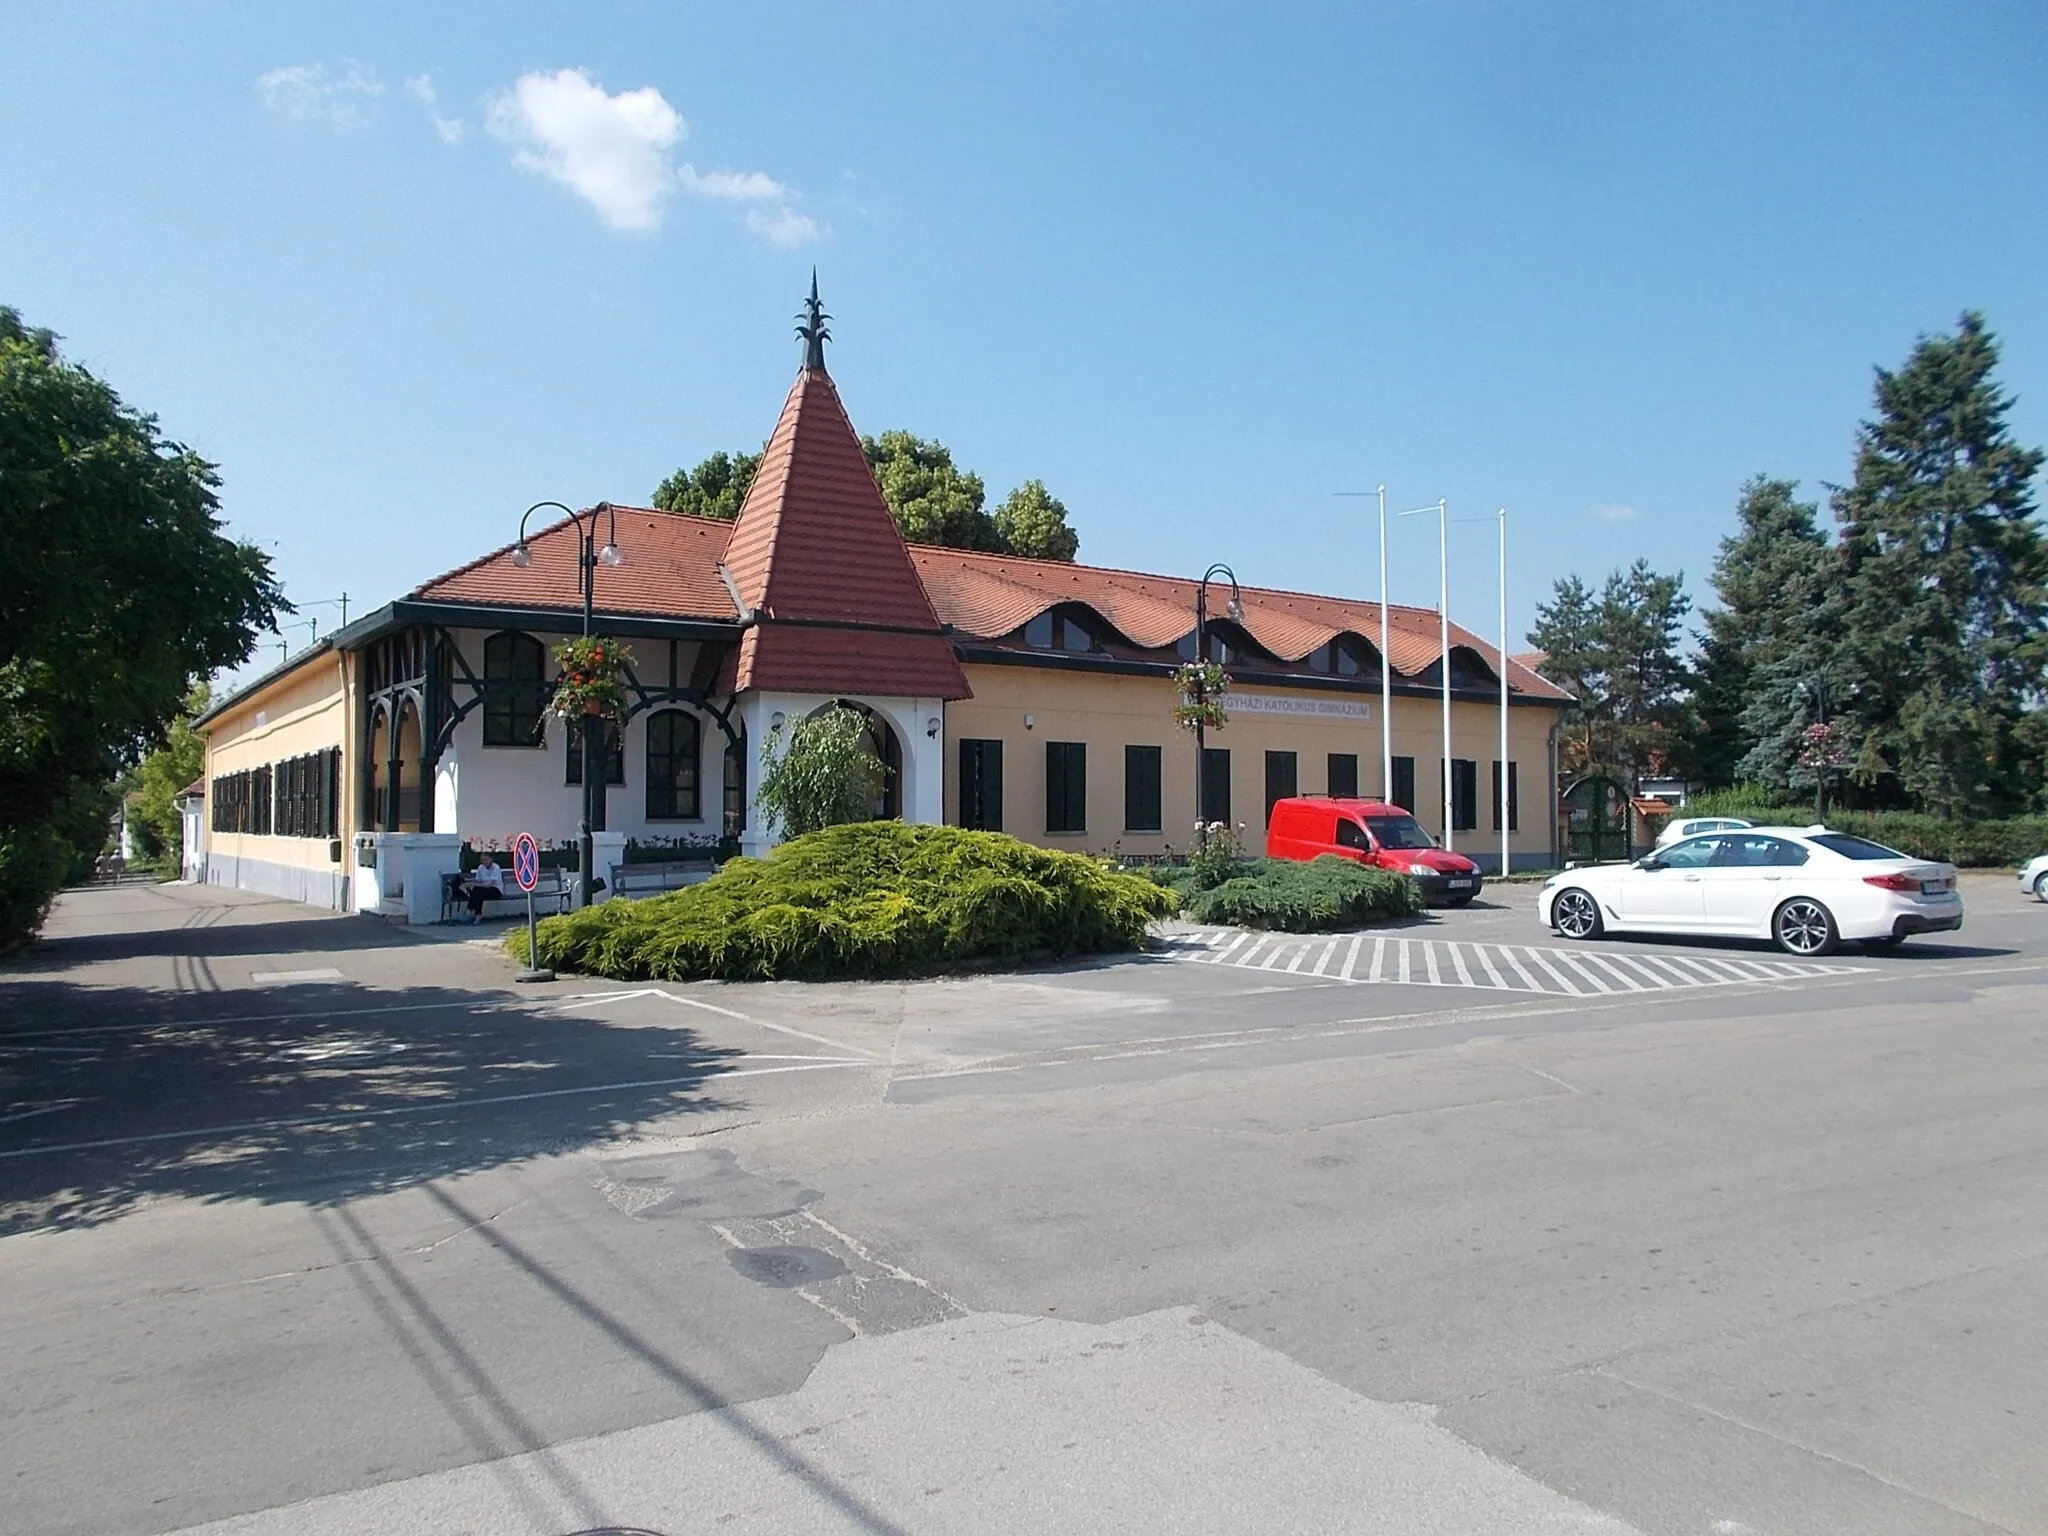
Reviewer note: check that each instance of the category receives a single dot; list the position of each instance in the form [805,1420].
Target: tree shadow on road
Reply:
[113,1096]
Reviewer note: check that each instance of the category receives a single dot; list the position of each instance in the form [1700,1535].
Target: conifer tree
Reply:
[1945,580]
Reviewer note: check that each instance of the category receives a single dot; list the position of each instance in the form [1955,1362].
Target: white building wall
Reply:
[495,793]
[919,725]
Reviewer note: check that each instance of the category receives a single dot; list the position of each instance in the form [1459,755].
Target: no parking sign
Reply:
[526,871]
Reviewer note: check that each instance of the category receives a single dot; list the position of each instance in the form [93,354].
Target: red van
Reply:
[1372,832]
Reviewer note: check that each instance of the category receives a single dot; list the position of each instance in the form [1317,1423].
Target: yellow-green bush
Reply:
[877,898]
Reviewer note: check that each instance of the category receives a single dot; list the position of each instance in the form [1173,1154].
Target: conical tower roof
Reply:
[817,562]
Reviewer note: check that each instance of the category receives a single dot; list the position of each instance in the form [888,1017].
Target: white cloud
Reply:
[345,97]
[784,227]
[421,89]
[612,151]
[733,186]
[1614,513]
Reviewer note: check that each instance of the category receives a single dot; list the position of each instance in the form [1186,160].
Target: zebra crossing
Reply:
[1579,972]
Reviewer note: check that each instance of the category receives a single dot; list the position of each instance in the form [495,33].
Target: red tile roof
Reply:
[844,586]
[992,595]
[815,546]
[670,569]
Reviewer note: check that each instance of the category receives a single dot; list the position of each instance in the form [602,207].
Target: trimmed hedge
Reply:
[1970,844]
[1324,893]
[877,898]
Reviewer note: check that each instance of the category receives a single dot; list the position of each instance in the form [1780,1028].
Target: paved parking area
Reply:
[306,1224]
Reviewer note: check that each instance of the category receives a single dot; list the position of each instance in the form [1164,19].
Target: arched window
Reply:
[515,690]
[673,764]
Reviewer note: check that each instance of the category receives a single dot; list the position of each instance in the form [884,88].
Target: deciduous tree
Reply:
[1033,522]
[715,488]
[121,592]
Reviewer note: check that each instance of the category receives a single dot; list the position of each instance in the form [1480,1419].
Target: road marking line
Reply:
[1379,958]
[293,978]
[1323,960]
[1300,955]
[1223,954]
[1480,951]
[1351,956]
[1404,959]
[1258,943]
[1508,954]
[1635,963]
[1584,971]
[1555,974]
[1273,955]
[1429,961]
[1458,961]
[1616,972]
[780,1029]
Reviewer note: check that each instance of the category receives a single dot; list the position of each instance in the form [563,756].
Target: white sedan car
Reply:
[2035,878]
[1808,889]
[1682,827]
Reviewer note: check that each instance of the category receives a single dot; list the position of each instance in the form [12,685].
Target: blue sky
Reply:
[1197,268]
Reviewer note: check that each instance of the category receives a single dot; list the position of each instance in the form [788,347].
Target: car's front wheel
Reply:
[1576,915]
[2041,886]
[1803,927]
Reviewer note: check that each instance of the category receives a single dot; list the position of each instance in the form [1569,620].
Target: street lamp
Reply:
[1236,611]
[588,558]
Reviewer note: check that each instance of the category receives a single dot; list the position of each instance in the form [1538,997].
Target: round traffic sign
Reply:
[526,861]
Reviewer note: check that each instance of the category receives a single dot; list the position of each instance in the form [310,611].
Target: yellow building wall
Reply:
[1025,707]
[306,710]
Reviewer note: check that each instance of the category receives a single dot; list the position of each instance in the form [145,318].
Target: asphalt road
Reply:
[308,1224]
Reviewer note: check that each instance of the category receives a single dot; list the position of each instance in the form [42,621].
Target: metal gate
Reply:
[1596,819]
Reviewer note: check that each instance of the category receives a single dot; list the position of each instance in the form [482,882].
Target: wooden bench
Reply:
[653,879]
[552,894]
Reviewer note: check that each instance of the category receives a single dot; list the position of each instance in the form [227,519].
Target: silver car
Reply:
[2034,877]
[1692,826]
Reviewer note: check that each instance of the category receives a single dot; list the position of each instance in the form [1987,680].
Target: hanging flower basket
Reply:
[1202,685]
[588,678]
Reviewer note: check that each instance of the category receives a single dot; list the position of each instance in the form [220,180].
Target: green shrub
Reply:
[1329,892]
[876,898]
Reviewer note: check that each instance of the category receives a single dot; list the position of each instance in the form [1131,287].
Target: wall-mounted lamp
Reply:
[777,720]
[1030,721]
[931,727]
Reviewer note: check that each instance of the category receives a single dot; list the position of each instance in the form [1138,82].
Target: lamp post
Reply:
[1236,612]
[588,558]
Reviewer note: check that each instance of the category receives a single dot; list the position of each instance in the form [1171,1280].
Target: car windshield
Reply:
[1399,832]
[1853,847]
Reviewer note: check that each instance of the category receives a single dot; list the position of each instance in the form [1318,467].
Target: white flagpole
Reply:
[1443,616]
[1386,669]
[1504,770]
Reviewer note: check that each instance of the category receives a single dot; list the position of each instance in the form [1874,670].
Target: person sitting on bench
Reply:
[481,884]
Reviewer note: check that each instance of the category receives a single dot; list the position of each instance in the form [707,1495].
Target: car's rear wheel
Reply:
[1803,927]
[1576,915]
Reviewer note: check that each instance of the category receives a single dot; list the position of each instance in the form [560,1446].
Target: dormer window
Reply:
[1342,657]
[1221,651]
[1059,630]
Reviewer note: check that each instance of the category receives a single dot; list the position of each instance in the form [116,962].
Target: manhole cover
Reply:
[786,1268]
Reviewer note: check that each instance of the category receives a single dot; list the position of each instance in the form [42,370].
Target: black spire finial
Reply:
[812,330]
